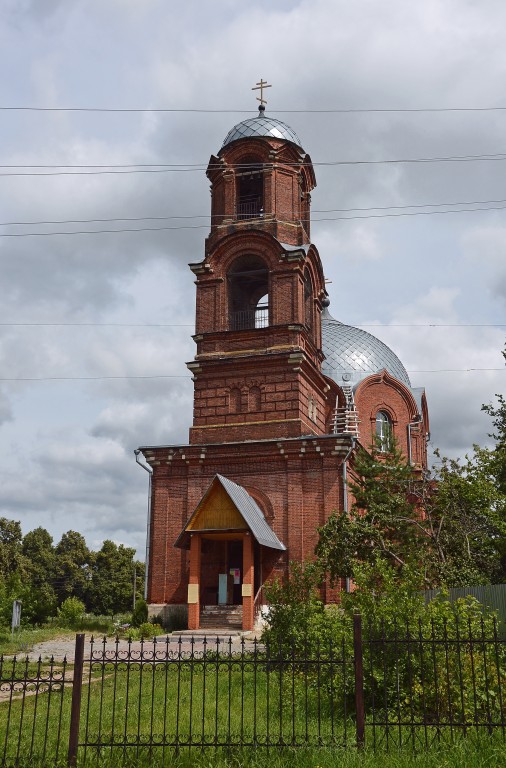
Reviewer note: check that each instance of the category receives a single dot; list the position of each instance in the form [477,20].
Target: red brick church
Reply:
[283,394]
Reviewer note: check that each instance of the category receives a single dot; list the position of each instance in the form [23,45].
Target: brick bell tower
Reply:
[276,421]
[257,370]
[264,466]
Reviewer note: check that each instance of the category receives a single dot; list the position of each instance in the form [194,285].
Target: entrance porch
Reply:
[226,535]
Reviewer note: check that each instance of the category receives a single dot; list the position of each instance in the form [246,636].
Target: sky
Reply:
[95,329]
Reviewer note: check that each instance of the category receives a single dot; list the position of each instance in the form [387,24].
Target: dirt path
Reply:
[64,647]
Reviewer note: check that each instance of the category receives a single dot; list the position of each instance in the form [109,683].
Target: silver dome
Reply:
[262,126]
[352,354]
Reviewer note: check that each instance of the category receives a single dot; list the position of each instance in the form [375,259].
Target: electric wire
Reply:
[215,216]
[181,376]
[203,110]
[224,226]
[191,325]
[188,167]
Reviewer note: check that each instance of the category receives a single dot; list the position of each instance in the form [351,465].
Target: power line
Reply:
[171,376]
[411,213]
[191,325]
[337,111]
[189,167]
[102,231]
[93,378]
[206,226]
[215,216]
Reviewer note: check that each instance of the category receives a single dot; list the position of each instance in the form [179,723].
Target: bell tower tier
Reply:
[261,179]
[257,370]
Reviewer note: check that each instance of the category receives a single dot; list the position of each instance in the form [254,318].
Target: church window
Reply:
[248,293]
[384,432]
[250,188]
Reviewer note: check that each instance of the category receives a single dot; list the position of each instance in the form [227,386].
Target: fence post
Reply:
[75,712]
[359,679]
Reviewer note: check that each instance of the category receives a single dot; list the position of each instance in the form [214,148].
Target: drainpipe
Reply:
[345,493]
[148,532]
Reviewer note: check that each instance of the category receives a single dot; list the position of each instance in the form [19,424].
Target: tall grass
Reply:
[487,752]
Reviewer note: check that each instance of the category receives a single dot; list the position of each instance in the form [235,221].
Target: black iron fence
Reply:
[406,687]
[430,682]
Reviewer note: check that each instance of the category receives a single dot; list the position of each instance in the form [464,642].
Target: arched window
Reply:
[384,432]
[250,188]
[248,293]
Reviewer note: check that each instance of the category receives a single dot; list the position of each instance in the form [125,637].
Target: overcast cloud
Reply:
[434,284]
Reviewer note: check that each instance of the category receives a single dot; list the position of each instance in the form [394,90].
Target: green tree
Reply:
[11,559]
[384,519]
[497,455]
[111,588]
[448,527]
[40,566]
[464,521]
[72,568]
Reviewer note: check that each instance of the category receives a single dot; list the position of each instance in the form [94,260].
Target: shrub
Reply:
[102,625]
[297,616]
[140,613]
[435,661]
[71,613]
[151,629]
[147,631]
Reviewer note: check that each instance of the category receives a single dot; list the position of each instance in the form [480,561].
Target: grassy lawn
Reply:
[24,640]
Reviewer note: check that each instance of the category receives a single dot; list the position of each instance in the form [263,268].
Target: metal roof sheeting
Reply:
[249,510]
[352,354]
[262,126]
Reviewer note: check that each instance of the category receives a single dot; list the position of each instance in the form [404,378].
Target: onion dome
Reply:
[261,125]
[352,354]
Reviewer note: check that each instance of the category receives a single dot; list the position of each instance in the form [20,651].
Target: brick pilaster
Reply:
[248,582]
[194,579]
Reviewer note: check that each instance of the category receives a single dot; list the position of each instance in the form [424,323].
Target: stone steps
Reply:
[221,617]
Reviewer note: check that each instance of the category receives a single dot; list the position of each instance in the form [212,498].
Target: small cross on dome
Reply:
[260,87]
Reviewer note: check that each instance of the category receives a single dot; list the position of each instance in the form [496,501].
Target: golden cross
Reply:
[260,87]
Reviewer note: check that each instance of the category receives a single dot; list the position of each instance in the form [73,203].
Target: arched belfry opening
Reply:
[250,188]
[248,293]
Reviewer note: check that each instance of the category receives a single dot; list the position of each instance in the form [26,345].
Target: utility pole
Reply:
[135,585]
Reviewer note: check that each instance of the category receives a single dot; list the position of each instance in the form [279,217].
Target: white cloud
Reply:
[485,247]
[68,446]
